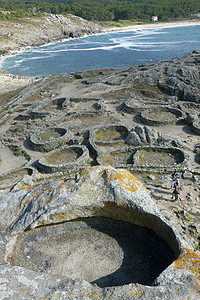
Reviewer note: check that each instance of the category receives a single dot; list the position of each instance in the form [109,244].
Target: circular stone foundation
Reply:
[50,134]
[110,134]
[161,116]
[99,250]
[63,158]
[118,158]
[189,107]
[159,157]
[49,138]
[83,106]
[53,105]
[196,126]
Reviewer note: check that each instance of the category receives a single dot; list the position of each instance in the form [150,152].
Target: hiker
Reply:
[175,185]
[174,182]
[175,193]
[174,174]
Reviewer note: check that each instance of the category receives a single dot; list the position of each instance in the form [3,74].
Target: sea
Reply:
[110,50]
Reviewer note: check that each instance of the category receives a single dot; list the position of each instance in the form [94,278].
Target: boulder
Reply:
[151,134]
[151,177]
[141,132]
[61,213]
[191,118]
[133,138]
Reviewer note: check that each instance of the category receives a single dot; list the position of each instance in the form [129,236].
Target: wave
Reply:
[128,47]
[120,43]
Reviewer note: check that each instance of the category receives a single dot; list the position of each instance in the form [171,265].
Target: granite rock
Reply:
[133,138]
[100,191]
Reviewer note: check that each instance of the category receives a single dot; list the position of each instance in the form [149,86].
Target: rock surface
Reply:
[48,28]
[98,192]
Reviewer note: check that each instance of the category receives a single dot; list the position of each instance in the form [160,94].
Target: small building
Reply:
[154,19]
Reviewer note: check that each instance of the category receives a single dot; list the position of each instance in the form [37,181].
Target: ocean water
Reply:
[110,50]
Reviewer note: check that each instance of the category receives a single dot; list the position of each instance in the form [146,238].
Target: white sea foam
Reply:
[120,43]
[149,44]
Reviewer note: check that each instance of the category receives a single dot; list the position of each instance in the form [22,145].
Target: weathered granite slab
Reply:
[100,191]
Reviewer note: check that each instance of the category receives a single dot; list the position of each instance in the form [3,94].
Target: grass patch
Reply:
[189,218]
[159,157]
[143,88]
[111,134]
[61,157]
[18,153]
[121,23]
[13,177]
[143,159]
[4,98]
[61,144]
[197,247]
[46,149]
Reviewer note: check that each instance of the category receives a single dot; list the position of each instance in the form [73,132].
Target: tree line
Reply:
[102,10]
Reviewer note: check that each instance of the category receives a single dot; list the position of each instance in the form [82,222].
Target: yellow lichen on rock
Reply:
[125,179]
[122,177]
[189,260]
[27,187]
[136,291]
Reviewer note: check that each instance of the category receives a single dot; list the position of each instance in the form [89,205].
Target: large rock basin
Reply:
[98,235]
[99,250]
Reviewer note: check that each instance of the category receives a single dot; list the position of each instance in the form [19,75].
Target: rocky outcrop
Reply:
[99,192]
[177,79]
[41,30]
[141,135]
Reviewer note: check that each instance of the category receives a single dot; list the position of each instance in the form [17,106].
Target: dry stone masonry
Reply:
[59,126]
[49,138]
[63,159]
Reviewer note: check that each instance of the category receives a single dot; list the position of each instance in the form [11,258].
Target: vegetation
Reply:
[48,149]
[197,247]
[102,10]
[189,218]
[18,153]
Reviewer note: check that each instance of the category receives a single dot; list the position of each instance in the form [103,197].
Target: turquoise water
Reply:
[111,50]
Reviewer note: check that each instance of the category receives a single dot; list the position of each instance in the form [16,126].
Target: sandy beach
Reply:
[10,83]
[156,25]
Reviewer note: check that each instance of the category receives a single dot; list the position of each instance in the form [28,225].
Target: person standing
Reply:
[175,193]
[175,186]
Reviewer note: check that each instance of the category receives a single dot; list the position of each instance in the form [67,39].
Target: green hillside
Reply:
[102,10]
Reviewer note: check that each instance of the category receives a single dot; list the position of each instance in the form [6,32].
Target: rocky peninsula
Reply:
[85,163]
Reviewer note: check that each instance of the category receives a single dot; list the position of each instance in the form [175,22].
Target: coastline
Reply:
[16,37]
[11,82]
[156,25]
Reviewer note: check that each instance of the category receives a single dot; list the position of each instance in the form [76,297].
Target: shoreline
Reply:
[156,25]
